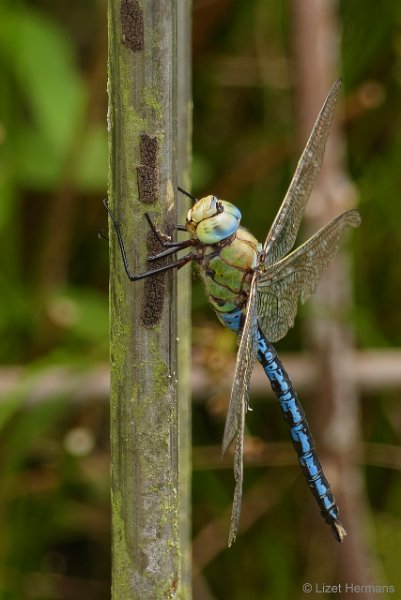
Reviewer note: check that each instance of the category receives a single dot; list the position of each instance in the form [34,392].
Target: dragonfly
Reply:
[255,290]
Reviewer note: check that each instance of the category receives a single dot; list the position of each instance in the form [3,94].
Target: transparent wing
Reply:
[296,276]
[243,368]
[239,477]
[235,420]
[284,229]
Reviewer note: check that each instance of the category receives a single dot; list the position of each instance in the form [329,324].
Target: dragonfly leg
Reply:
[176,264]
[171,250]
[187,194]
[163,238]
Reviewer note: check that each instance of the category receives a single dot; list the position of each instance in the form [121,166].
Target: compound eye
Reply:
[219,207]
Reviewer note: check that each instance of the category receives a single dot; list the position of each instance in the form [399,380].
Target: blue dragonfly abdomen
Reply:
[300,434]
[295,417]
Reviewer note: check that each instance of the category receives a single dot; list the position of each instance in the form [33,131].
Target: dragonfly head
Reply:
[212,220]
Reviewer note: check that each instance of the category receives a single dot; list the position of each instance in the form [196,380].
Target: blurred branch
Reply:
[371,371]
[337,427]
[281,454]
[54,585]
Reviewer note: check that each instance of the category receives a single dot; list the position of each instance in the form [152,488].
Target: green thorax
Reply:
[226,269]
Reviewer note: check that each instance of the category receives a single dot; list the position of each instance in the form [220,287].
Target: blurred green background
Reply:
[54,461]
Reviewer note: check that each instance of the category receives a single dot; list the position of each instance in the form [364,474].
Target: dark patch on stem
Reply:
[132,24]
[154,288]
[148,175]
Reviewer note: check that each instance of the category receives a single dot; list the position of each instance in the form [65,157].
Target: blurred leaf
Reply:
[36,166]
[40,57]
[8,406]
[83,313]
[92,161]
[201,171]
[31,428]
[8,193]
[374,37]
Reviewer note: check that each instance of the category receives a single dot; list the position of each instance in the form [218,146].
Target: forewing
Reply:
[297,275]
[284,229]
[235,421]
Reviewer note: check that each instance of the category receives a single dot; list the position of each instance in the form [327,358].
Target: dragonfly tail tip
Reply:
[339,531]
